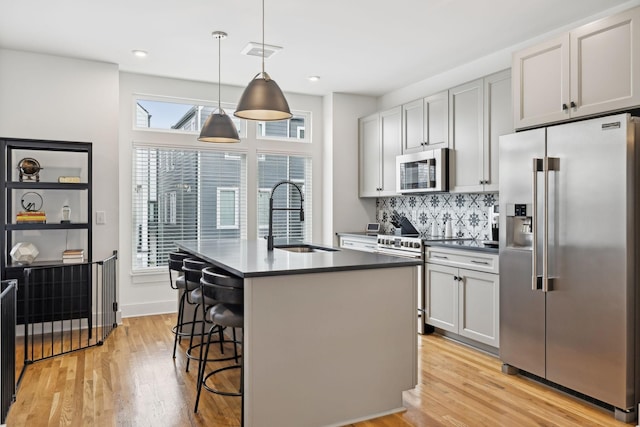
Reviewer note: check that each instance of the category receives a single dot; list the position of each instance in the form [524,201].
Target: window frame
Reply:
[261,129]
[228,107]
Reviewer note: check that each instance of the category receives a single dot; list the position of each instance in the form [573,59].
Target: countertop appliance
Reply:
[407,247]
[568,257]
[426,171]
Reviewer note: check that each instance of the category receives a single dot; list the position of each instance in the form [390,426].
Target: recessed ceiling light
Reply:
[139,53]
[313,78]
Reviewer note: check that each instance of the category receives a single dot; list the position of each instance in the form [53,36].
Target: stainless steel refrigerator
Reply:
[568,257]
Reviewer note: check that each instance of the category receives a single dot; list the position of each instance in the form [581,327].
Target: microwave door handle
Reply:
[431,167]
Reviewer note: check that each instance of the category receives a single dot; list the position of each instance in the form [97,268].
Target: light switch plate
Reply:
[101,217]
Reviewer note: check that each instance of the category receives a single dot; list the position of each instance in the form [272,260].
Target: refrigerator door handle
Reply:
[551,164]
[537,167]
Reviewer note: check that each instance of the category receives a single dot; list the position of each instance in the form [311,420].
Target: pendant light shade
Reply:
[262,99]
[219,127]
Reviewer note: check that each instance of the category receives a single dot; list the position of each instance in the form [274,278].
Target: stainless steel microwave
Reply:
[426,171]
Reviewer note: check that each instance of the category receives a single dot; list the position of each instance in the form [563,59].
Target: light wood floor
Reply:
[132,381]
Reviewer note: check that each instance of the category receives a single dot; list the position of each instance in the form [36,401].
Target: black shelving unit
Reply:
[68,294]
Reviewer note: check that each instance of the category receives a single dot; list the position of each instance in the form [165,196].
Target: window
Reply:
[292,129]
[201,196]
[271,170]
[228,208]
[176,116]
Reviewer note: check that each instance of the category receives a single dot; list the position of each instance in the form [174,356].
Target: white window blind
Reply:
[271,170]
[181,194]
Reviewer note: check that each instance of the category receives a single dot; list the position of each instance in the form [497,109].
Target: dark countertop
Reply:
[467,244]
[250,258]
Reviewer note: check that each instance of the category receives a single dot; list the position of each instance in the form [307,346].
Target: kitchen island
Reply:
[329,336]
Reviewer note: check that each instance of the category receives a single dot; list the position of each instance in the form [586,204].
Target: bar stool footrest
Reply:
[196,346]
[175,331]
[222,392]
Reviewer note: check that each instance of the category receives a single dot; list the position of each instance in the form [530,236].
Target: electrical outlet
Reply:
[101,217]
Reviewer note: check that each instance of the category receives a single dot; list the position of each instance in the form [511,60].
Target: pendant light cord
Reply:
[219,73]
[263,37]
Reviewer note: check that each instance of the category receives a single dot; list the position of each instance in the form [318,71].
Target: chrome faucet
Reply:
[271,209]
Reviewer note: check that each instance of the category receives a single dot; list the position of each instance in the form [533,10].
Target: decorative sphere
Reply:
[24,253]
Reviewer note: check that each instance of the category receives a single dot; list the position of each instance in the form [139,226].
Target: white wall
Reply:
[50,97]
[343,209]
[150,293]
[481,67]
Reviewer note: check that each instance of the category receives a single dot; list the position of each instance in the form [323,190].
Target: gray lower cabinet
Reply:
[464,301]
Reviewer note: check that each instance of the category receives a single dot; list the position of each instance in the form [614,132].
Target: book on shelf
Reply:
[31,213]
[69,179]
[31,217]
[73,252]
[73,256]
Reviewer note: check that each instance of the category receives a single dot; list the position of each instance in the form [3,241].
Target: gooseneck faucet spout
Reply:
[271,209]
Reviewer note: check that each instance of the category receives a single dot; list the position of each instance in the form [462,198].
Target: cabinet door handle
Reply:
[438,256]
[479,262]
[573,104]
[564,107]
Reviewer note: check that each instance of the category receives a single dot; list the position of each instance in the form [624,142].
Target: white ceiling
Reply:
[368,47]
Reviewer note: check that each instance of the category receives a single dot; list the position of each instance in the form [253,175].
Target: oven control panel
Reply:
[400,244]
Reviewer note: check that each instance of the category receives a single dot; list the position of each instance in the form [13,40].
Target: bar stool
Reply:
[229,312]
[175,265]
[192,269]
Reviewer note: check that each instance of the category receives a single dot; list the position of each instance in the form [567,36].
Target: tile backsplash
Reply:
[468,212]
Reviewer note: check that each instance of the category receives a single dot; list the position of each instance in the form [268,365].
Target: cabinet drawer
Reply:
[471,260]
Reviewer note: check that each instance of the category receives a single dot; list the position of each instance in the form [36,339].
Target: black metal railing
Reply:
[8,300]
[68,307]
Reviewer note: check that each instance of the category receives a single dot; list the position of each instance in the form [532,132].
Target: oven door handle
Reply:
[403,255]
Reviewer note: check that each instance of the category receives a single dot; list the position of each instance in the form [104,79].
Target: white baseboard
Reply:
[149,308]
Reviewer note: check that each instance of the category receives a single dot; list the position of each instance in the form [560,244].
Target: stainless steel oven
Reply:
[407,247]
[426,171]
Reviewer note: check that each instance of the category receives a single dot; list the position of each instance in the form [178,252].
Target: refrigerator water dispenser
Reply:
[519,226]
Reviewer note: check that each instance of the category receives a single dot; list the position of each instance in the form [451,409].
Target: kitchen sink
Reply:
[304,248]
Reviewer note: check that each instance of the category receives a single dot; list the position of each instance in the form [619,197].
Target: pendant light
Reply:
[219,127]
[262,98]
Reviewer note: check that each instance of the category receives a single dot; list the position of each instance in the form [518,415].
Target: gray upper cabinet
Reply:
[498,121]
[370,155]
[380,142]
[591,70]
[479,113]
[425,123]
[466,120]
